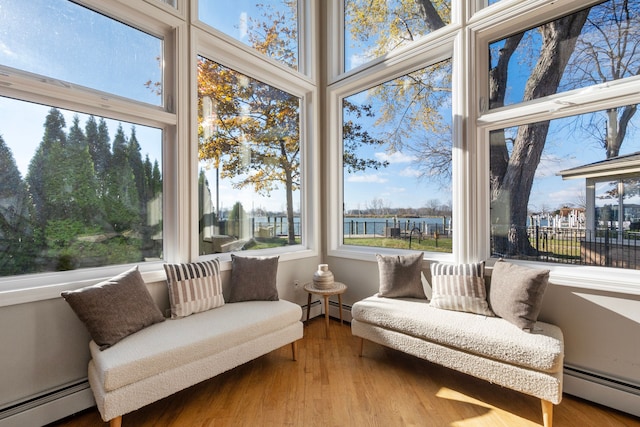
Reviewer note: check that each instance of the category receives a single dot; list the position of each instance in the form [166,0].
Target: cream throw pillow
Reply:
[194,287]
[459,287]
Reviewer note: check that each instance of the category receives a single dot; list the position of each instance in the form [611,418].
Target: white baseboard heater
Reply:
[49,406]
[613,393]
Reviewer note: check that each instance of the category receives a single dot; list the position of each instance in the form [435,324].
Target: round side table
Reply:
[338,288]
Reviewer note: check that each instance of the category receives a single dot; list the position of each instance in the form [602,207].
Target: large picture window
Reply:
[249,169]
[397,145]
[81,181]
[557,195]
[564,190]
[76,190]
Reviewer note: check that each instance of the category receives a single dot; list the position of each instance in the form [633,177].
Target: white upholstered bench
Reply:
[139,357]
[170,356]
[486,347]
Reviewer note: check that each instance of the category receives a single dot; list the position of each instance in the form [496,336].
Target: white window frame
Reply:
[217,47]
[486,27]
[378,72]
[30,87]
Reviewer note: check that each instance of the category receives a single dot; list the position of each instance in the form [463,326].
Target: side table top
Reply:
[335,289]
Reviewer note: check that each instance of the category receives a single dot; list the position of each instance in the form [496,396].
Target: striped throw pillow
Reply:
[459,287]
[194,287]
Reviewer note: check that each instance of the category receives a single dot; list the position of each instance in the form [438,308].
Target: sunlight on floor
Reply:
[489,418]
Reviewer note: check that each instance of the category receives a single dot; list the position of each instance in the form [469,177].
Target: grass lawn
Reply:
[430,244]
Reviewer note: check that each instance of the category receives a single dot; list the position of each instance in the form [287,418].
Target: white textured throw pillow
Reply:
[194,287]
[459,287]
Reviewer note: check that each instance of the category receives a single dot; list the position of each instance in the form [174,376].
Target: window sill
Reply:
[38,287]
[614,280]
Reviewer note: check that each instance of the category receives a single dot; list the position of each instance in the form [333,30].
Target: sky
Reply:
[101,41]
[106,55]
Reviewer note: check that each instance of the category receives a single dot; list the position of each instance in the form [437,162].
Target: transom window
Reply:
[374,28]
[271,28]
[62,40]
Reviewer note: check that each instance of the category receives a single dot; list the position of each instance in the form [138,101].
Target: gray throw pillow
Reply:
[253,279]
[115,308]
[516,293]
[400,276]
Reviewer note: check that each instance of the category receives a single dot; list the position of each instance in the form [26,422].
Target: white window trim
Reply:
[224,51]
[35,88]
[492,24]
[379,71]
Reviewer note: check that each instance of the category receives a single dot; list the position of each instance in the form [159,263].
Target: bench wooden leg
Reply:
[547,413]
[294,350]
[116,422]
[361,347]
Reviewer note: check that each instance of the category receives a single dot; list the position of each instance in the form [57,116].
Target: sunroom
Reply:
[141,132]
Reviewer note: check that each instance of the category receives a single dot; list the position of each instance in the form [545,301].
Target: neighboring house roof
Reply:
[620,166]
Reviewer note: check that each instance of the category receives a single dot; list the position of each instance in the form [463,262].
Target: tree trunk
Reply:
[286,166]
[617,129]
[512,184]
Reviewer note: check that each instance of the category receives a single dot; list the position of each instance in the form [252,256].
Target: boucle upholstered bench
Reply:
[138,357]
[173,355]
[486,346]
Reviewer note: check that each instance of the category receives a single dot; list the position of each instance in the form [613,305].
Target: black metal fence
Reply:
[601,247]
[394,228]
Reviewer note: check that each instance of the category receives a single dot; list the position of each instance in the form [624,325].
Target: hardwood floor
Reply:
[330,385]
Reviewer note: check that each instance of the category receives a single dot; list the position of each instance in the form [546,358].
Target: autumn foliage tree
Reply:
[250,131]
[255,140]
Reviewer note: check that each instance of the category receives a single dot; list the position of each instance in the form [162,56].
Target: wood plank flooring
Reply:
[330,386]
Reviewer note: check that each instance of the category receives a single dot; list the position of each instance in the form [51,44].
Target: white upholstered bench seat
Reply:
[181,341]
[490,337]
[175,354]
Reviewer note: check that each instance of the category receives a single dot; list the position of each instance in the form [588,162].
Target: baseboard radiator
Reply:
[614,393]
[47,407]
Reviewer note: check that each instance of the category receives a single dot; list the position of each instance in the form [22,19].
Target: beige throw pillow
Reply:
[194,287]
[516,293]
[253,278]
[115,308]
[459,287]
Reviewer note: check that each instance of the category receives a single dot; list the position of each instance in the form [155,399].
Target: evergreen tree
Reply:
[156,181]
[121,201]
[17,248]
[137,167]
[99,148]
[42,168]
[148,178]
[83,187]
